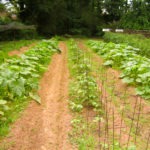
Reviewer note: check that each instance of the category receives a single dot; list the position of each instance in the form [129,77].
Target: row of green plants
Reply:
[19,76]
[84,96]
[138,41]
[84,91]
[135,68]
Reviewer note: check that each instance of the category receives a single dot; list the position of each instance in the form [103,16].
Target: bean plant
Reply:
[84,91]
[84,96]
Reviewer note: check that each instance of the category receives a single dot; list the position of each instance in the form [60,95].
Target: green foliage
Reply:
[83,17]
[113,10]
[137,17]
[18,35]
[84,95]
[133,14]
[83,90]
[61,16]
[8,46]
[2,8]
[4,17]
[19,76]
[137,41]
[135,68]
[84,140]
[87,142]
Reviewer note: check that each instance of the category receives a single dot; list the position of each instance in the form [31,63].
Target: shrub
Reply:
[17,34]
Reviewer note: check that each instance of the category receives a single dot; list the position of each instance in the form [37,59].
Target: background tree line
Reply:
[83,16]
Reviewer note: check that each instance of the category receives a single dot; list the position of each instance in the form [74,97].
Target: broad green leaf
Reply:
[3,102]
[1,113]
[18,87]
[35,97]
[108,63]
[128,80]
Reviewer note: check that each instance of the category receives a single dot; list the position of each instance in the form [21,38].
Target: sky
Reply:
[3,1]
[8,5]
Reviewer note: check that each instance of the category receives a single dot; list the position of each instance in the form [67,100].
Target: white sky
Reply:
[3,1]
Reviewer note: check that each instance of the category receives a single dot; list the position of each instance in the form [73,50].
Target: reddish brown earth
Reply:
[117,105]
[21,50]
[46,126]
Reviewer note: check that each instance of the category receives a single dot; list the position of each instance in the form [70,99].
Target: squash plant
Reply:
[19,76]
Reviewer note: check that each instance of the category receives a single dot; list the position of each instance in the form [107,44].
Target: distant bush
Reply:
[18,34]
[96,31]
[136,20]
[4,20]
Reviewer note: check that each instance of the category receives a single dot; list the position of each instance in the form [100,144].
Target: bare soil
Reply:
[21,50]
[46,126]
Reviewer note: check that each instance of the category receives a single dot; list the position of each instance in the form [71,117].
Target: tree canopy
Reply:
[83,16]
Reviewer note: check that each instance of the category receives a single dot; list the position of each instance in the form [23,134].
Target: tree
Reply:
[2,7]
[60,16]
[82,16]
[113,10]
[138,16]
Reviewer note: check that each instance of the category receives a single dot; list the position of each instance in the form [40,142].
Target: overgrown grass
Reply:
[8,46]
[138,41]
[14,45]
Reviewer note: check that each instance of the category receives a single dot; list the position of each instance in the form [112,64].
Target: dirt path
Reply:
[46,126]
[21,50]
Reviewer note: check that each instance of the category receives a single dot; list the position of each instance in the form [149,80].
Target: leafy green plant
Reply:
[84,140]
[83,90]
[84,95]
[7,46]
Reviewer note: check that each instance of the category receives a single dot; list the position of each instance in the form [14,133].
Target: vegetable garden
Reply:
[107,104]
[19,77]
